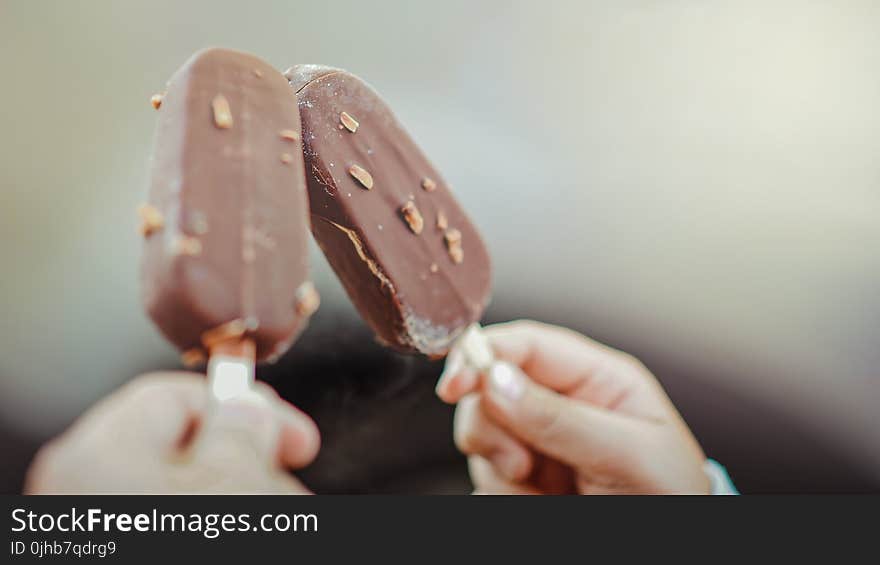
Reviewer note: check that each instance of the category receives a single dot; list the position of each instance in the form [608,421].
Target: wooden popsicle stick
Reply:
[231,368]
[477,351]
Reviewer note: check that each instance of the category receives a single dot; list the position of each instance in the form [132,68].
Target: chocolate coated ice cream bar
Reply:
[406,252]
[226,226]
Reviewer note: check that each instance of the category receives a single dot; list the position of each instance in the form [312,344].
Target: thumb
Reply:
[568,430]
[237,430]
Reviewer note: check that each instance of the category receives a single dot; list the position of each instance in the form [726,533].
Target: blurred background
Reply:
[695,182]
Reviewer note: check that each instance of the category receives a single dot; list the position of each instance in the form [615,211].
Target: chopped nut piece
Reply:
[151,219]
[413,217]
[193,357]
[186,245]
[349,122]
[258,73]
[222,113]
[307,299]
[361,175]
[156,100]
[433,268]
[288,135]
[286,158]
[230,330]
[428,184]
[452,238]
[442,222]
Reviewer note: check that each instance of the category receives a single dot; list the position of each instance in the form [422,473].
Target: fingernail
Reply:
[506,381]
[454,365]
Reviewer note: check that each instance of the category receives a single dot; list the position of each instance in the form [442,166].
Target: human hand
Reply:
[161,434]
[559,413]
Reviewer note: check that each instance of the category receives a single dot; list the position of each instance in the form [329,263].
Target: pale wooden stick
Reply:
[475,346]
[231,368]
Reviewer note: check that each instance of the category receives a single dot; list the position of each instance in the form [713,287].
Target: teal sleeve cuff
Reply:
[719,480]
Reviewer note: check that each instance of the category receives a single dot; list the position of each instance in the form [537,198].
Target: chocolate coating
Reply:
[229,187]
[379,231]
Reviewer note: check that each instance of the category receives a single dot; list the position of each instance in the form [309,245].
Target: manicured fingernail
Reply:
[454,365]
[506,381]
